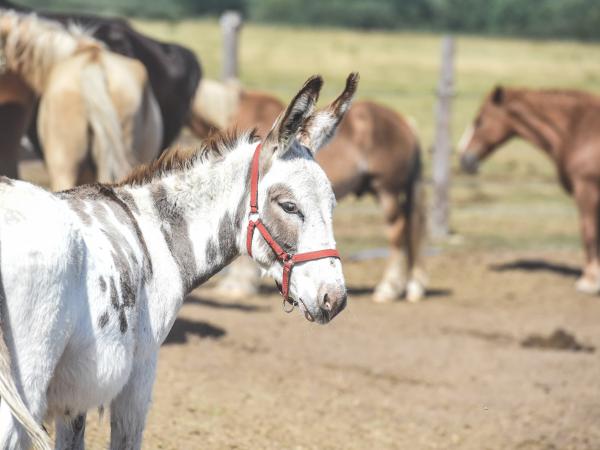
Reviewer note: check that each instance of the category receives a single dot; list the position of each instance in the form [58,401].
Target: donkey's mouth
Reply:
[302,306]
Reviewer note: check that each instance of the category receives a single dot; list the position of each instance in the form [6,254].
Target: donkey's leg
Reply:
[128,410]
[587,196]
[393,282]
[70,433]
[12,433]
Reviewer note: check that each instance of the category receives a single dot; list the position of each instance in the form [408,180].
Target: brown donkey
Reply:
[374,151]
[565,124]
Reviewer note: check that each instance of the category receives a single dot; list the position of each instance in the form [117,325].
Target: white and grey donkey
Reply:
[92,279]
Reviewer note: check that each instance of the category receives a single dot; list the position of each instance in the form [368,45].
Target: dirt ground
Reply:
[450,372]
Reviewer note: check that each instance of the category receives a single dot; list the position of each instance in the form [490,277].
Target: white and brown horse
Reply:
[565,125]
[98,117]
[92,279]
[374,151]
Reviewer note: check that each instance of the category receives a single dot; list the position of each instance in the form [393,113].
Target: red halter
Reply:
[288,260]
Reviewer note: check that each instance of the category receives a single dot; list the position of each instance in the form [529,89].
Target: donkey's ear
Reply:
[287,125]
[318,129]
[498,95]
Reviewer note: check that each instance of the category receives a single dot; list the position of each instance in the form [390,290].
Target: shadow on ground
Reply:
[537,265]
[222,304]
[364,290]
[184,327]
[429,293]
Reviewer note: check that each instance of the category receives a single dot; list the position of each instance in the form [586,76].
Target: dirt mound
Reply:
[558,340]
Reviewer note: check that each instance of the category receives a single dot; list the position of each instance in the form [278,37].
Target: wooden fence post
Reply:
[442,150]
[231,24]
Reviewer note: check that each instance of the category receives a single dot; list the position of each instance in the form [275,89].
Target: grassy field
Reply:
[515,201]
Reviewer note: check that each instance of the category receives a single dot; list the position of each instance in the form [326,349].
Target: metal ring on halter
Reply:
[285,309]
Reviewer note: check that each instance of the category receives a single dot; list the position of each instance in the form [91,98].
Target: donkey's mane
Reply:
[31,45]
[180,158]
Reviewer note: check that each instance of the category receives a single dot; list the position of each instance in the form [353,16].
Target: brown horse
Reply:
[16,105]
[565,124]
[374,151]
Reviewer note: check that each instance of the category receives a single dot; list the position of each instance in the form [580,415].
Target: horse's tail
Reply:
[416,222]
[10,394]
[108,147]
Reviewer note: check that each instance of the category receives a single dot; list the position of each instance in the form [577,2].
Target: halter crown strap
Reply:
[288,260]
[254,180]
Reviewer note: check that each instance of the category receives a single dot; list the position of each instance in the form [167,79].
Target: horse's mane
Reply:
[553,94]
[180,158]
[31,45]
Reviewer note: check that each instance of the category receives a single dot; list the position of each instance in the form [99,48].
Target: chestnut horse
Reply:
[562,123]
[374,151]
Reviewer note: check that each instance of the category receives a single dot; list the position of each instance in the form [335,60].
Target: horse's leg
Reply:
[13,124]
[393,282]
[70,433]
[416,231]
[587,197]
[62,127]
[241,280]
[128,410]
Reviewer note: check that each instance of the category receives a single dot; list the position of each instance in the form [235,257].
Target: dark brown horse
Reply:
[374,151]
[565,125]
[173,71]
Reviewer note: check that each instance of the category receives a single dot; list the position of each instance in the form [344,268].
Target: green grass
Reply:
[515,201]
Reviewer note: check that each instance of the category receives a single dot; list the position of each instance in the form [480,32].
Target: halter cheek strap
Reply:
[288,260]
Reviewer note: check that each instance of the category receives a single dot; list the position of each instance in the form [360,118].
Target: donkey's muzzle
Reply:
[332,303]
[469,162]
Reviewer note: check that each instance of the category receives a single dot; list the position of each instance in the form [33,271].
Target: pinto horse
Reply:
[173,72]
[83,334]
[374,151]
[564,124]
[98,117]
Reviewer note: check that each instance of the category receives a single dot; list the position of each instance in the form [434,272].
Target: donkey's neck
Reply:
[539,119]
[197,215]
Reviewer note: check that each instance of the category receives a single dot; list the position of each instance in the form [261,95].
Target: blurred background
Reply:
[501,353]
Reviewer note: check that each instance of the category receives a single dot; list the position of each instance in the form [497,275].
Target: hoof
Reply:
[587,286]
[384,293]
[415,291]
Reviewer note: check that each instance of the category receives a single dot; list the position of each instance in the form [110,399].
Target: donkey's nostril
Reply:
[326,303]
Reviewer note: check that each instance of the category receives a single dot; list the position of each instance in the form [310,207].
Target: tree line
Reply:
[578,19]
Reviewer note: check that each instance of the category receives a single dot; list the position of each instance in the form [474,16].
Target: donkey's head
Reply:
[490,129]
[296,201]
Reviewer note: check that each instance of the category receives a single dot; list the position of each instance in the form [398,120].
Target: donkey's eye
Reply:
[289,207]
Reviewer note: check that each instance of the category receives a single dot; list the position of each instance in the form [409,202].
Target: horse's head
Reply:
[296,201]
[490,129]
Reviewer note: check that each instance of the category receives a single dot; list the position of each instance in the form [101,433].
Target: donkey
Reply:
[90,98]
[375,151]
[564,124]
[92,278]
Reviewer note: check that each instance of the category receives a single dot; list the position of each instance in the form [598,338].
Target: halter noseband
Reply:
[287,259]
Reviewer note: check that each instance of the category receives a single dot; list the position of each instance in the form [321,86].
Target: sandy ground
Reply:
[450,372]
